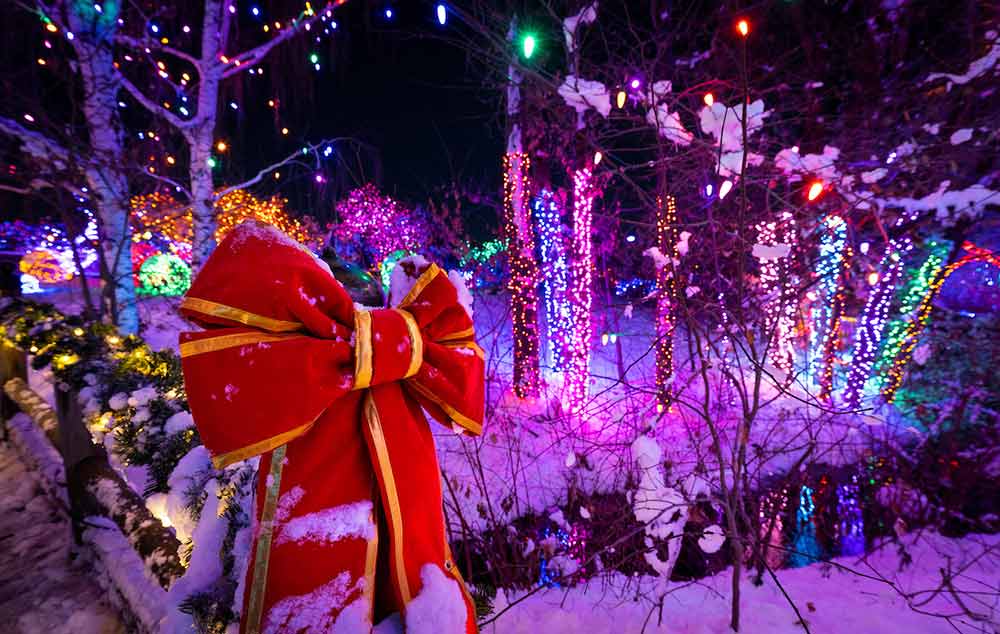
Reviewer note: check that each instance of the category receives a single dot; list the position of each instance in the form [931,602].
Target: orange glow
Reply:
[815,190]
[743,27]
[221,146]
[709,99]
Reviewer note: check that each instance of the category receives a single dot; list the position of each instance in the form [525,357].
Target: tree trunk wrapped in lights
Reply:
[666,283]
[580,290]
[547,215]
[523,272]
[872,320]
[779,303]
[909,338]
[833,256]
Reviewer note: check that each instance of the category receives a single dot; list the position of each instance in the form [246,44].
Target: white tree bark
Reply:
[104,170]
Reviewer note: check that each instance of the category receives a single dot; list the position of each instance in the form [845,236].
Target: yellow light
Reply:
[185,77]
[743,27]
[164,40]
[78,332]
[277,175]
[270,103]
[221,146]
[161,65]
[114,340]
[604,339]
[225,60]
[815,189]
[284,131]
[171,160]
[709,99]
[873,278]
[621,98]
[51,28]
[41,62]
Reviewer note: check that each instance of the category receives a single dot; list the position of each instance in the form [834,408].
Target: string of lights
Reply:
[779,306]
[555,284]
[523,272]
[580,290]
[909,338]
[666,241]
[916,289]
[829,301]
[873,318]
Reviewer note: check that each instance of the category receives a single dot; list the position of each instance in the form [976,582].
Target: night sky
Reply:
[398,86]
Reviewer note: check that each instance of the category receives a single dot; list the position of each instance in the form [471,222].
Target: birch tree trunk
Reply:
[104,172]
[201,136]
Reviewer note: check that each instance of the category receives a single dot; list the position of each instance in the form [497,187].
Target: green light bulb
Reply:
[529,46]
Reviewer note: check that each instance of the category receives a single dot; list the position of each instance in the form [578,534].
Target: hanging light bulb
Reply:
[528,45]
[815,189]
[725,189]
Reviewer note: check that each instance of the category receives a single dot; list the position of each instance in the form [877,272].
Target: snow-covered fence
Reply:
[94,487]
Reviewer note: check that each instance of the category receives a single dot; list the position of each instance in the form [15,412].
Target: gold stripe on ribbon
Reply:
[467,345]
[255,606]
[468,333]
[395,512]
[224,460]
[418,286]
[362,349]
[371,559]
[216,309]
[454,414]
[214,344]
[416,343]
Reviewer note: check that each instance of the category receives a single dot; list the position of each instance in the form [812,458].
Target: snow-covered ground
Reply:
[43,590]
[830,599]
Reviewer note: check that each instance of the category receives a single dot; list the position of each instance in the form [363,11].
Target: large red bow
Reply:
[329,394]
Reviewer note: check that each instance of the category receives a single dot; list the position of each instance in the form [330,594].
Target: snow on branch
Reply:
[291,158]
[39,146]
[977,68]
[242,61]
[154,107]
[150,43]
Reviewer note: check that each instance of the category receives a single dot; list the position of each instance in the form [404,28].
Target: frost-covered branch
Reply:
[152,106]
[39,146]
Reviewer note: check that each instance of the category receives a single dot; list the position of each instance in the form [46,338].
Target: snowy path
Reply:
[41,591]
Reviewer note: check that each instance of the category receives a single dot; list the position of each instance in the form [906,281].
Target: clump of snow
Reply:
[823,166]
[354,618]
[668,124]
[583,94]
[330,525]
[711,539]
[191,471]
[400,282]
[949,205]
[313,611]
[960,136]
[464,296]
[142,396]
[659,260]
[439,607]
[205,566]
[725,125]
[179,422]
[873,176]
[572,23]
[118,401]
